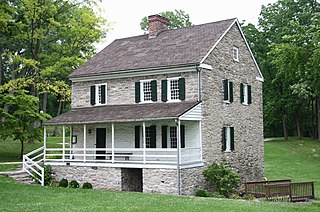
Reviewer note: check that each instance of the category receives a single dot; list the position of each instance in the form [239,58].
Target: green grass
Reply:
[15,197]
[293,159]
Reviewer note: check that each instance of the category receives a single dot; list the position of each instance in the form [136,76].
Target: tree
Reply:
[178,19]
[22,111]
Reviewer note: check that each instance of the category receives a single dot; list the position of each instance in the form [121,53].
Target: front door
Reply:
[100,142]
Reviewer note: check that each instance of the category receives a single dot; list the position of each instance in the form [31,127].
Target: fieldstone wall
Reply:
[122,90]
[192,180]
[248,157]
[161,181]
[99,177]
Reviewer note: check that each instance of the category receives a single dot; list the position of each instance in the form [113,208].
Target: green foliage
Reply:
[87,185]
[63,183]
[249,197]
[223,178]
[47,175]
[178,19]
[202,193]
[73,184]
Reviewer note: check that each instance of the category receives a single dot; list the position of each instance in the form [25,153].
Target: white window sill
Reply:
[144,102]
[227,151]
[174,100]
[245,104]
[227,102]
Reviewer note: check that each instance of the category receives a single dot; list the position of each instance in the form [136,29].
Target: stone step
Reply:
[19,176]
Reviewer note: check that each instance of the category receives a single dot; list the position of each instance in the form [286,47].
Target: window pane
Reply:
[99,94]
[146,91]
[148,137]
[173,137]
[174,89]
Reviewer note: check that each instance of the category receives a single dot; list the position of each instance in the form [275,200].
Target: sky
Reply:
[124,16]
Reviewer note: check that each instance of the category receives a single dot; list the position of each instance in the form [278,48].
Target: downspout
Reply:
[178,157]
[199,82]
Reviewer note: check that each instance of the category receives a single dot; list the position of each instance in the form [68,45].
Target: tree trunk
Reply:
[21,151]
[44,102]
[285,127]
[59,111]
[299,132]
[318,117]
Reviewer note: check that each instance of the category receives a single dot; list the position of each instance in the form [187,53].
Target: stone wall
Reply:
[248,157]
[161,181]
[122,90]
[100,178]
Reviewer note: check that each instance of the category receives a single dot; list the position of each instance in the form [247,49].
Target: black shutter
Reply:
[164,97]
[225,90]
[241,93]
[231,138]
[249,94]
[93,95]
[231,91]
[137,92]
[154,90]
[164,136]
[137,136]
[153,136]
[103,94]
[182,136]
[224,138]
[182,89]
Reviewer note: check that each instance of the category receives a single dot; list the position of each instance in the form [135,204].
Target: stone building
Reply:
[151,112]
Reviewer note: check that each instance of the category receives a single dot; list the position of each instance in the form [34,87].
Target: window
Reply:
[173,136]
[98,94]
[146,91]
[173,89]
[150,136]
[245,94]
[227,91]
[235,53]
[227,139]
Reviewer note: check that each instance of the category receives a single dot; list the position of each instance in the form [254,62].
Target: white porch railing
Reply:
[163,156]
[31,164]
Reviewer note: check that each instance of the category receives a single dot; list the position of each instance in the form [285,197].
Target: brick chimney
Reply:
[157,24]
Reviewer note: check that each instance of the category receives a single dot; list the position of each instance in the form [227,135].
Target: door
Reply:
[100,142]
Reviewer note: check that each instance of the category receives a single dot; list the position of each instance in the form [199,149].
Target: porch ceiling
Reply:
[123,113]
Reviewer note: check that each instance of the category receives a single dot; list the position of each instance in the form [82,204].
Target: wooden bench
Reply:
[124,155]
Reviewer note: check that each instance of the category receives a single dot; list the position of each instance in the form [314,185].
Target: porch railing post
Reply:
[44,142]
[63,143]
[144,141]
[84,141]
[178,156]
[70,142]
[112,142]
[200,141]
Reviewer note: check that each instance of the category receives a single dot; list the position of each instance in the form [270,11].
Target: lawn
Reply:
[15,197]
[298,160]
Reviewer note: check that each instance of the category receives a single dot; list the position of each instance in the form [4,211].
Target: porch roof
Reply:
[123,113]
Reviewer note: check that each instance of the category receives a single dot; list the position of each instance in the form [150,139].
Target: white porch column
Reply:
[44,142]
[200,140]
[63,143]
[84,142]
[178,156]
[70,142]
[112,142]
[144,141]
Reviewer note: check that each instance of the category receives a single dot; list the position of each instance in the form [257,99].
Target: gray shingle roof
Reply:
[185,46]
[122,113]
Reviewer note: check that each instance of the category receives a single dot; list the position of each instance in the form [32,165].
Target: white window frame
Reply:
[245,94]
[228,139]
[229,96]
[142,100]
[169,89]
[235,53]
[97,95]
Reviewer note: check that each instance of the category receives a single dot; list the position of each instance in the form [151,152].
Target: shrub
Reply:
[223,178]
[73,184]
[249,197]
[202,193]
[87,185]
[63,183]
[47,175]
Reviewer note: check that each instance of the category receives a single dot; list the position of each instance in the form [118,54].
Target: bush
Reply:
[202,193]
[47,175]
[249,197]
[73,184]
[223,178]
[63,183]
[87,185]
